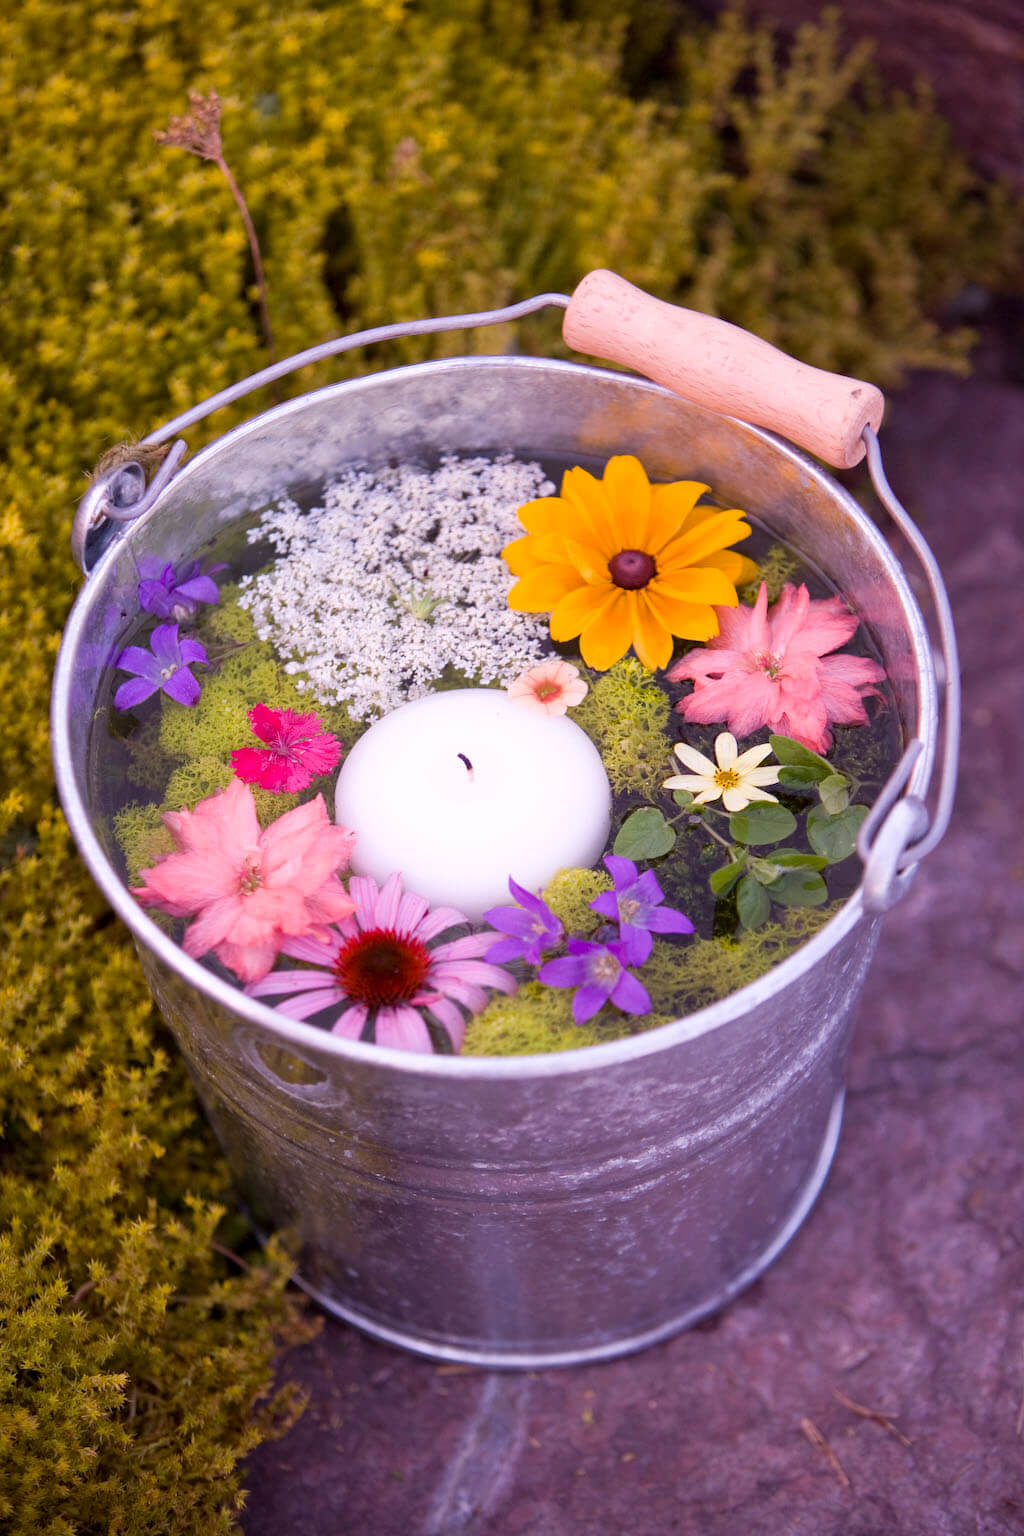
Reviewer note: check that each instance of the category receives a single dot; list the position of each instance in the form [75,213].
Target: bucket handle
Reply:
[713,364]
[897,833]
[121,495]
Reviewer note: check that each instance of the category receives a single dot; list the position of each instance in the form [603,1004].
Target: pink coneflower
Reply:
[774,670]
[384,960]
[549,689]
[251,889]
[298,751]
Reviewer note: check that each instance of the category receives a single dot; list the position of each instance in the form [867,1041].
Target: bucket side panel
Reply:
[538,1245]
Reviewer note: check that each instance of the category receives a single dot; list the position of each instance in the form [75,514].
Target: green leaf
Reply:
[800,888]
[795,754]
[835,793]
[752,903]
[764,871]
[800,775]
[762,823]
[645,835]
[792,858]
[722,880]
[771,869]
[683,797]
[835,837]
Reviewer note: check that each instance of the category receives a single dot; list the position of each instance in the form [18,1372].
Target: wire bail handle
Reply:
[713,364]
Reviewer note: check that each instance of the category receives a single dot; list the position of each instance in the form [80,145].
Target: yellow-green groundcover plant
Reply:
[400,160]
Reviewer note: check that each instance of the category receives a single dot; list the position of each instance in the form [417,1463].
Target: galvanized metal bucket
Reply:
[528,1210]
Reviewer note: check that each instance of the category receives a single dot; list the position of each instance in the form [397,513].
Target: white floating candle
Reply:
[460,790]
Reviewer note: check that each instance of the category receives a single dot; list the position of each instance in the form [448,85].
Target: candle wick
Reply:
[465,759]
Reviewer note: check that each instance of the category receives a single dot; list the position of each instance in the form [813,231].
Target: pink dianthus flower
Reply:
[298,750]
[250,889]
[773,669]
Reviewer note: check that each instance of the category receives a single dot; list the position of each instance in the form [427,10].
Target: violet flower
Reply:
[599,972]
[170,596]
[635,904]
[531,927]
[165,668]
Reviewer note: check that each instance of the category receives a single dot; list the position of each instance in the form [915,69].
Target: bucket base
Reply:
[511,1358]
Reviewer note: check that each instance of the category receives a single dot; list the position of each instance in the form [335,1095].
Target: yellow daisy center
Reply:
[727,778]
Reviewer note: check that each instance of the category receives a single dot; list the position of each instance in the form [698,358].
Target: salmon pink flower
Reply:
[298,751]
[384,967]
[549,689]
[774,669]
[250,890]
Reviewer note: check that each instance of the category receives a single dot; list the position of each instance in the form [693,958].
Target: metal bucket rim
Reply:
[549,1064]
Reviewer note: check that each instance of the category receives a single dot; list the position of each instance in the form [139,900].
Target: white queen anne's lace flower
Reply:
[397,577]
[734,777]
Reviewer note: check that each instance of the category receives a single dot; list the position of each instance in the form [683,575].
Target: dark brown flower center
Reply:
[632,569]
[381,967]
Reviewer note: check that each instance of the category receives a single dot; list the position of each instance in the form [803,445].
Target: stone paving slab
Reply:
[872,1382]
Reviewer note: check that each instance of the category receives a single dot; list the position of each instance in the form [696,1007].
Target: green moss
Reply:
[569,896]
[626,714]
[539,1019]
[143,837]
[778,566]
[195,780]
[682,977]
[245,672]
[225,623]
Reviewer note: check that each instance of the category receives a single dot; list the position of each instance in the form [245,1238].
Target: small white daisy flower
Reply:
[737,779]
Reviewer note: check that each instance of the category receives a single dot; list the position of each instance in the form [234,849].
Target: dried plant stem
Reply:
[199,134]
[876,1415]
[814,1437]
[254,249]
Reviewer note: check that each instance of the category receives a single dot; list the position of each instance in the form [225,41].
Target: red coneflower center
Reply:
[632,569]
[381,967]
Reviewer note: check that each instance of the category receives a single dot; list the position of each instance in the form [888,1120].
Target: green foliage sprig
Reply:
[789,876]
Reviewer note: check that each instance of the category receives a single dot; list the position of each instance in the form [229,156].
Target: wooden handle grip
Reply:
[722,367]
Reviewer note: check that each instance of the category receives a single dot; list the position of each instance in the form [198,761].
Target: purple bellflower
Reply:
[166,668]
[170,596]
[636,905]
[531,928]
[598,971]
